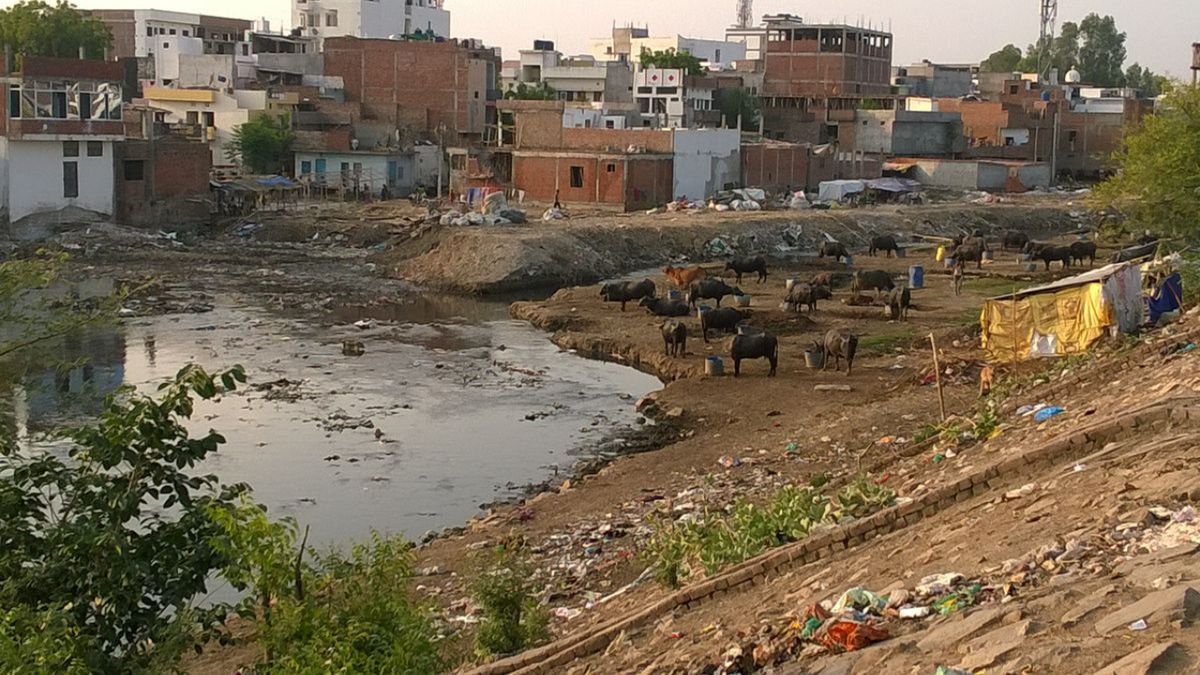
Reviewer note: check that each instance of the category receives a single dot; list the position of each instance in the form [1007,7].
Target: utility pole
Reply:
[745,13]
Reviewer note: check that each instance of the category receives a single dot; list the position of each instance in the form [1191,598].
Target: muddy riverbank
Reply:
[553,255]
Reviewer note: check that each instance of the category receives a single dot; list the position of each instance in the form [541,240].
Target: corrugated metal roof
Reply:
[1091,276]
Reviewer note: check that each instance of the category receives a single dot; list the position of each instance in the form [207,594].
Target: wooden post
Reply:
[937,373]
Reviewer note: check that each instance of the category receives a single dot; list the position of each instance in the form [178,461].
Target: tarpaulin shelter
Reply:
[838,190]
[893,185]
[1064,317]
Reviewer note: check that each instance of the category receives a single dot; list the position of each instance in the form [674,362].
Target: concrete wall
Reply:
[623,182]
[206,70]
[951,175]
[372,170]
[775,166]
[35,184]
[706,160]
[167,50]
[906,133]
[174,187]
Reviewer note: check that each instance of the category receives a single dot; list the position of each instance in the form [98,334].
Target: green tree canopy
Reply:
[735,103]
[537,92]
[1004,60]
[36,28]
[1158,185]
[1101,51]
[261,144]
[670,58]
[1152,84]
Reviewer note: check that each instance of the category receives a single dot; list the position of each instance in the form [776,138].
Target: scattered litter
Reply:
[364,324]
[729,462]
[914,612]
[938,584]
[1140,624]
[567,613]
[1045,414]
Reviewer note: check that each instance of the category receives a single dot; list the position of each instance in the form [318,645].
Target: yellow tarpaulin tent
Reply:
[1066,317]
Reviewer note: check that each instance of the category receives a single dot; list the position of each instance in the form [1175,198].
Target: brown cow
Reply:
[684,277]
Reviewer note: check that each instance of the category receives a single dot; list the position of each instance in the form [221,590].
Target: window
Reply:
[135,170]
[171,32]
[663,91]
[70,148]
[210,119]
[166,45]
[14,103]
[611,168]
[192,117]
[95,149]
[70,180]
[185,33]
[1071,138]
[58,105]
[149,31]
[331,18]
[85,105]
[245,50]
[305,167]
[577,176]
[718,59]
[358,168]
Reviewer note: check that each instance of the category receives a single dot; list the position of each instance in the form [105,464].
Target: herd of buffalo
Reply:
[696,286]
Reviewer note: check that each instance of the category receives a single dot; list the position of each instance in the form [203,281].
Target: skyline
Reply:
[1159,35]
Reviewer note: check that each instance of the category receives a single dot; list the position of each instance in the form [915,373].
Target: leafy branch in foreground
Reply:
[111,538]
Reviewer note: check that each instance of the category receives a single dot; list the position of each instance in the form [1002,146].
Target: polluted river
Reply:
[403,419]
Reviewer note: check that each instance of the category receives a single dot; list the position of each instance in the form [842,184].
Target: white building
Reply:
[706,161]
[715,54]
[370,18]
[212,115]
[56,152]
[667,98]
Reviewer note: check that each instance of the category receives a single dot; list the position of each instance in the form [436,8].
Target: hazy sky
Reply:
[1160,32]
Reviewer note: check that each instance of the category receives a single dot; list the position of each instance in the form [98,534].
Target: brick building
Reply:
[160,177]
[443,88]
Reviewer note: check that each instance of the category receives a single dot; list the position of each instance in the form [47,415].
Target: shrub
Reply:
[512,619]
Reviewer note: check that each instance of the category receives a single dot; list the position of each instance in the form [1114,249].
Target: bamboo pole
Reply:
[937,374]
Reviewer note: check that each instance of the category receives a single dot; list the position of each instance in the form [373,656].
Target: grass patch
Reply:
[885,343]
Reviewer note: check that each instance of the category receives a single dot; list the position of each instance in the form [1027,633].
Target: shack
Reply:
[1064,317]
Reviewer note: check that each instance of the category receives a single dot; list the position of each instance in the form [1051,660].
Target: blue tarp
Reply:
[276,182]
[1166,297]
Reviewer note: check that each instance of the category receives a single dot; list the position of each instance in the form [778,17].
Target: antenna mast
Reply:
[745,14]
[1049,17]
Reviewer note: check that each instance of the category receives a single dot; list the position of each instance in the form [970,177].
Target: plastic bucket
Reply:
[989,256]
[848,260]
[901,252]
[701,310]
[791,283]
[742,300]
[916,276]
[949,262]
[714,366]
[674,295]
[814,359]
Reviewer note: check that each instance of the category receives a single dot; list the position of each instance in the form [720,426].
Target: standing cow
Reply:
[839,344]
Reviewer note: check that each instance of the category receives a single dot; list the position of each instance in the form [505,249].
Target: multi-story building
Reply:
[325,19]
[61,121]
[579,79]
[934,80]
[442,89]
[171,39]
[626,44]
[669,97]
[209,115]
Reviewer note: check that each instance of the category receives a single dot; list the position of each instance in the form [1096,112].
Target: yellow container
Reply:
[941,253]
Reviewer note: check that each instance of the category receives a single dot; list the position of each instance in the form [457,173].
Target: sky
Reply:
[1160,32]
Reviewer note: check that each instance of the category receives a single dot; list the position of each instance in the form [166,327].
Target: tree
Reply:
[690,65]
[1158,184]
[1101,51]
[1003,61]
[738,103]
[1150,83]
[538,92]
[261,144]
[36,28]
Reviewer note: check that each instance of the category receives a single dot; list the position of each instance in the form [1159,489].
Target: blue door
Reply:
[321,168]
[393,169]
[305,167]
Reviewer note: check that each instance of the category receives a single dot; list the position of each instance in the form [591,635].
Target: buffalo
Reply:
[971,251]
[627,291]
[742,266]
[710,289]
[806,295]
[723,319]
[876,280]
[1082,250]
[1051,254]
[839,344]
[664,307]
[1014,240]
[674,335]
[758,346]
[833,249]
[898,302]
[886,243]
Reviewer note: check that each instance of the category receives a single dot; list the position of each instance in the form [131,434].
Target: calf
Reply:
[683,277]
[839,344]
[898,302]
[723,319]
[1051,254]
[806,295]
[664,307]
[876,280]
[833,249]
[886,243]
[710,289]
[742,266]
[759,346]
[674,335]
[627,291]
[1084,249]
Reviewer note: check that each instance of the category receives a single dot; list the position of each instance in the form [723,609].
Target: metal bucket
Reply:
[742,300]
[901,252]
[714,366]
[916,276]
[813,358]
[847,260]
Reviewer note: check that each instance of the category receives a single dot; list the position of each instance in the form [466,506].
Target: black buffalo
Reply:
[722,319]
[759,346]
[664,307]
[710,289]
[741,266]
[674,335]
